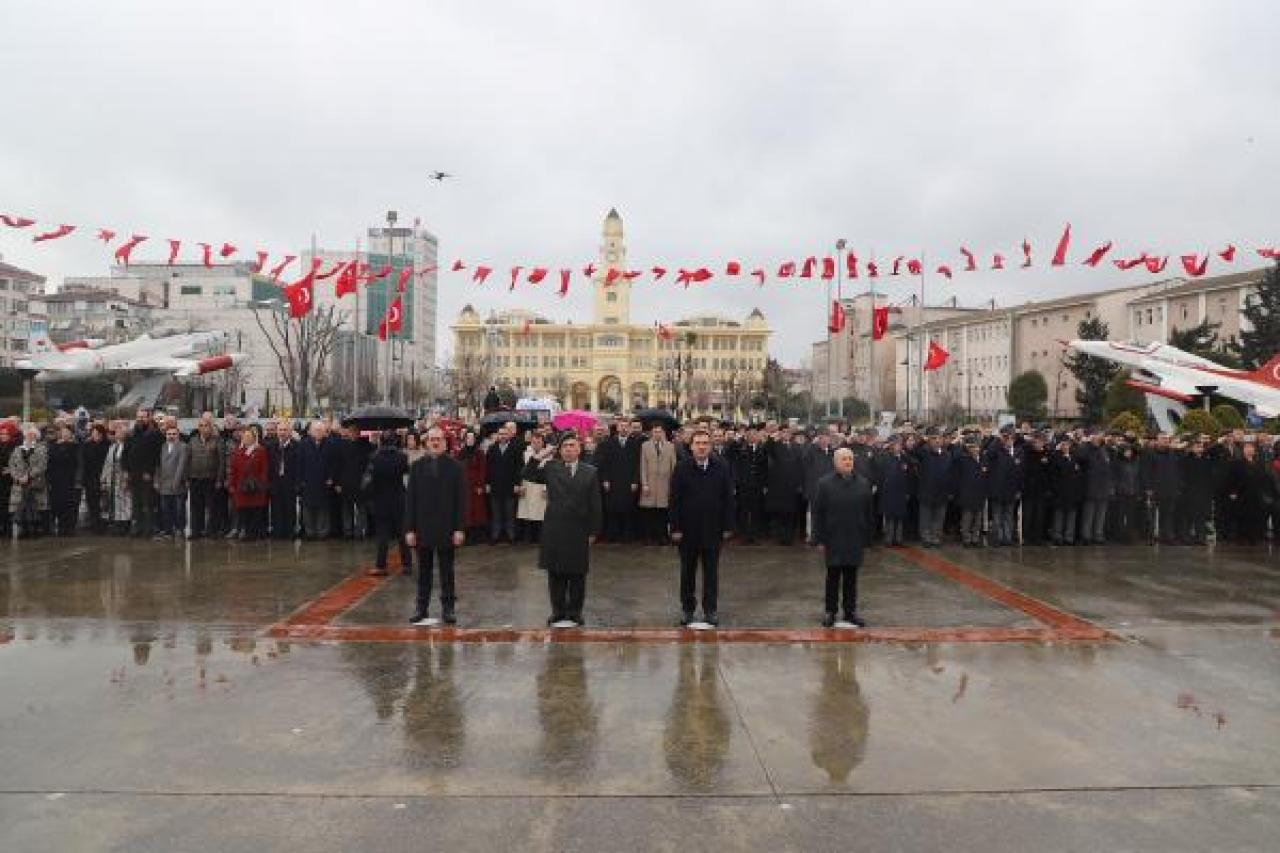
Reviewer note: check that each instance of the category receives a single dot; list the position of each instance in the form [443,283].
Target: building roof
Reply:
[91,295]
[10,271]
[1199,285]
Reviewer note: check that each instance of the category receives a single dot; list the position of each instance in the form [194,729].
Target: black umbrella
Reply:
[492,421]
[649,417]
[378,418]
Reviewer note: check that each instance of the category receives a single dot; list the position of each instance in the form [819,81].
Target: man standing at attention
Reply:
[569,527]
[434,519]
[842,525]
[702,516]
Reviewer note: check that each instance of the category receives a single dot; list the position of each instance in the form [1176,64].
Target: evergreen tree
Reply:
[1028,395]
[1262,312]
[1091,372]
[1123,397]
[1202,340]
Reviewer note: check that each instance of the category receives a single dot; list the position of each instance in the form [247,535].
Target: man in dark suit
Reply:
[702,515]
[750,473]
[842,524]
[505,459]
[435,518]
[286,482]
[619,468]
[569,527]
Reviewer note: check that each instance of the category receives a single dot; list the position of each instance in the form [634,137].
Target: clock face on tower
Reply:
[613,255]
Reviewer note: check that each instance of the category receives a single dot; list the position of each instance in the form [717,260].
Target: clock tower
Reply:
[613,301]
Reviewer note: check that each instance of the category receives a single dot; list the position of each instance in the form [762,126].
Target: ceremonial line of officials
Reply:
[634,485]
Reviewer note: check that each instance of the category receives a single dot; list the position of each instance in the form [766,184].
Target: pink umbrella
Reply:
[576,420]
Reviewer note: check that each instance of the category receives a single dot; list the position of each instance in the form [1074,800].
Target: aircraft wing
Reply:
[1171,379]
[186,366]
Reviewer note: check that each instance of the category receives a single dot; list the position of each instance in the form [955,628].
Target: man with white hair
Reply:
[842,527]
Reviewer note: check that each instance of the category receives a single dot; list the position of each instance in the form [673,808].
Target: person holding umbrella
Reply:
[569,528]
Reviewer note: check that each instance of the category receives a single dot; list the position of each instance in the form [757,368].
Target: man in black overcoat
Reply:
[702,515]
[569,526]
[618,458]
[842,524]
[435,518]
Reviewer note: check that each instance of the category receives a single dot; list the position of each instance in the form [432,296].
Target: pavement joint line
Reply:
[751,738]
[685,795]
[1038,610]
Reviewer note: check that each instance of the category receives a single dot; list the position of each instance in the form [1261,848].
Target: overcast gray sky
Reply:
[753,130]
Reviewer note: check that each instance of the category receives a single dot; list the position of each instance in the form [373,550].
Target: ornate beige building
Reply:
[701,364]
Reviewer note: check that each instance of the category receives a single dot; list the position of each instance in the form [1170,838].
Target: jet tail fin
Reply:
[1269,373]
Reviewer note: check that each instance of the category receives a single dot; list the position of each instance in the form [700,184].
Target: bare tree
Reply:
[302,346]
[558,384]
[470,380]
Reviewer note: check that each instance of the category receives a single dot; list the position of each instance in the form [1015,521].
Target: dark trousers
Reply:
[502,517]
[1195,522]
[66,510]
[842,580]
[220,511]
[1035,518]
[655,524]
[784,527]
[171,514]
[142,493]
[751,515]
[284,514]
[568,592]
[389,528]
[201,492]
[253,522]
[619,524]
[315,520]
[93,502]
[690,556]
[427,557]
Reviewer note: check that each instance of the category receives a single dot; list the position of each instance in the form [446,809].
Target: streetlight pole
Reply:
[386,283]
[840,245]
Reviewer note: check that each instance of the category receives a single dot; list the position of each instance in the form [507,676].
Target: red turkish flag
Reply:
[382,330]
[897,263]
[914,267]
[733,268]
[1228,254]
[208,253]
[807,270]
[279,268]
[589,270]
[515,274]
[1098,254]
[262,261]
[612,276]
[565,275]
[970,262]
[481,273]
[123,253]
[873,271]
[664,331]
[402,284]
[106,235]
[381,274]
[300,295]
[16,221]
[1060,253]
[658,272]
[632,275]
[759,274]
[1270,254]
[395,316]
[538,274]
[227,250]
[997,262]
[1155,265]
[828,269]
[1026,254]
[684,276]
[701,274]
[348,280]
[944,271]
[57,233]
[175,246]
[1130,263]
[879,322]
[937,356]
[1194,265]
[458,265]
[851,265]
[836,324]
[787,269]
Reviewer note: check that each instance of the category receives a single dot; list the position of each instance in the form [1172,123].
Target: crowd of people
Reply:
[984,487]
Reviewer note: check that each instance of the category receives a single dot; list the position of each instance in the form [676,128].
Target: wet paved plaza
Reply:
[216,696]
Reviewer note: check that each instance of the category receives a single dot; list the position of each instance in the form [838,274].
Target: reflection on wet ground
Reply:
[135,673]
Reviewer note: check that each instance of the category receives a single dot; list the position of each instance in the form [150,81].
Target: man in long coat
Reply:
[702,515]
[569,528]
[842,524]
[435,521]
[619,471]
[657,463]
[817,463]
[785,485]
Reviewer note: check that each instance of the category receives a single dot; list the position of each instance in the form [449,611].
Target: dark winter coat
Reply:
[386,495]
[1037,471]
[817,463]
[64,466]
[436,501]
[573,515]
[895,475]
[1068,481]
[142,452]
[935,474]
[92,456]
[701,502]
[785,478]
[619,466]
[504,467]
[1197,473]
[1005,468]
[1161,474]
[842,521]
[313,472]
[286,468]
[972,482]
[1098,473]
[750,469]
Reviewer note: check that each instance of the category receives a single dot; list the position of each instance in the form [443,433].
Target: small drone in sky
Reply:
[439,176]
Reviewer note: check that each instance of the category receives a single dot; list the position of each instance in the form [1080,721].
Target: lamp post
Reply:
[840,246]
[391,222]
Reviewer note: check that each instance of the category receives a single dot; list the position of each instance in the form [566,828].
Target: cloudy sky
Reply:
[753,130]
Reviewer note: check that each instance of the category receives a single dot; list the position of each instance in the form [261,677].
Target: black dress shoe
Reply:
[554,618]
[828,620]
[418,616]
[685,619]
[855,620]
[711,618]
[448,617]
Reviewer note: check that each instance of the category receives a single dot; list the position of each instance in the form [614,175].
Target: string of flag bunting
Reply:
[350,275]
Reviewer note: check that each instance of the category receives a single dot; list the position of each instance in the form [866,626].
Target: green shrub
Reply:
[1127,422]
[1198,421]
[1228,417]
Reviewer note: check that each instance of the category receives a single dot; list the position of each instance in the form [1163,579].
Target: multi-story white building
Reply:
[79,313]
[18,288]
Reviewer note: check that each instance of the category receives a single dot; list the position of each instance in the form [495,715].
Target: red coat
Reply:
[245,466]
[477,501]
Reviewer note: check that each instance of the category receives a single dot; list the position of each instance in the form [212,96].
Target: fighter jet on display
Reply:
[179,355]
[1172,378]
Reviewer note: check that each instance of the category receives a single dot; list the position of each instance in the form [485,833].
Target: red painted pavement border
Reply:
[1047,614]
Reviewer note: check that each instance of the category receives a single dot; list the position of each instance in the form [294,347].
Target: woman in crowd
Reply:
[475,464]
[118,503]
[29,494]
[533,496]
[388,470]
[1249,490]
[247,484]
[63,471]
[92,455]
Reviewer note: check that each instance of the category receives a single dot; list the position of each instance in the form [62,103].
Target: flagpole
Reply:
[921,402]
[355,335]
